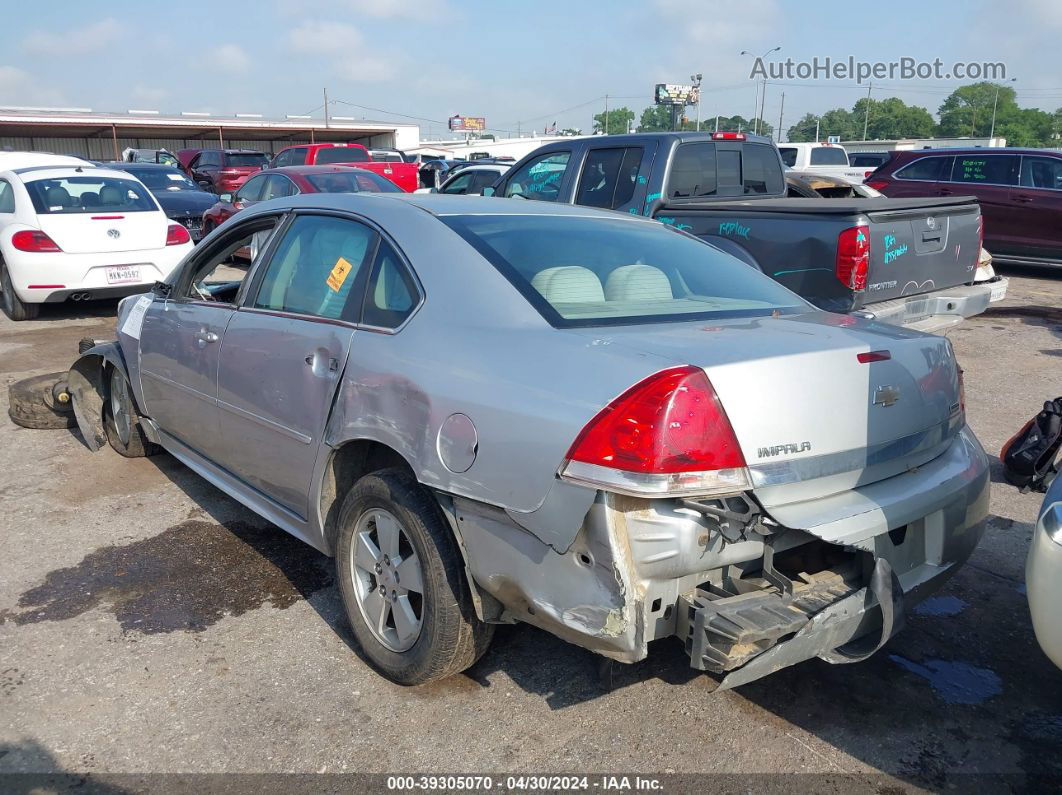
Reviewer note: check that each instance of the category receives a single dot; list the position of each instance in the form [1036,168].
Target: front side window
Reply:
[341,154]
[931,169]
[828,156]
[251,190]
[220,271]
[88,194]
[316,266]
[481,180]
[539,178]
[458,184]
[599,271]
[986,169]
[609,177]
[1041,172]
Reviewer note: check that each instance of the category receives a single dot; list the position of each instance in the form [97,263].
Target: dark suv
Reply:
[1020,191]
[225,170]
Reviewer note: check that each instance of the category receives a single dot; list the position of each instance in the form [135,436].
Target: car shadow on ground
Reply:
[78,310]
[28,768]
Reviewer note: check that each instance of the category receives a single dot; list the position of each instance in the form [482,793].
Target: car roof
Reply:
[305,171]
[979,150]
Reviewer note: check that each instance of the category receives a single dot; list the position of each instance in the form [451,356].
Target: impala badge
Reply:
[886,396]
[114,233]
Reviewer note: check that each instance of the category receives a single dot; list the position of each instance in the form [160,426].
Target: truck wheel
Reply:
[39,403]
[402,581]
[121,420]
[14,307]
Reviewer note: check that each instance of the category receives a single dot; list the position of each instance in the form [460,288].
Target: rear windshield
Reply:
[168,179]
[788,155]
[386,157]
[828,156]
[351,182]
[88,194]
[256,159]
[580,271]
[341,154]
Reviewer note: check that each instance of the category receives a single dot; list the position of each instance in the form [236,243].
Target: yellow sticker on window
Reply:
[338,275]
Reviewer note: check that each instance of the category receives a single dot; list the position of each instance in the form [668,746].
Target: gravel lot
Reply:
[149,624]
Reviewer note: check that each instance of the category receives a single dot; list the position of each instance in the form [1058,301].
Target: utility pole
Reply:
[605,125]
[778,134]
[759,103]
[817,120]
[717,123]
[992,132]
[696,79]
[325,90]
[866,116]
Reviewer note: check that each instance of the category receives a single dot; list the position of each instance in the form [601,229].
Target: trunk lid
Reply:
[104,232]
[811,419]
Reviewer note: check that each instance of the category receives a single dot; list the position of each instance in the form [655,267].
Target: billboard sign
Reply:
[468,123]
[672,94]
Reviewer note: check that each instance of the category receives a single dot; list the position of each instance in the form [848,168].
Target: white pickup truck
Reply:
[819,158]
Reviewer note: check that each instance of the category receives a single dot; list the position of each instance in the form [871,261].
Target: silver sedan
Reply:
[492,411]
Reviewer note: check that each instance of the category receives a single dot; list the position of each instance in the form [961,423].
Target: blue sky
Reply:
[527,62]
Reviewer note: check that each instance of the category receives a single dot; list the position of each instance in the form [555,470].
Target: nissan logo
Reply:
[114,233]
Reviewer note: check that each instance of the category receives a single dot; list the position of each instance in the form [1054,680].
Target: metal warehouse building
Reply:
[103,136]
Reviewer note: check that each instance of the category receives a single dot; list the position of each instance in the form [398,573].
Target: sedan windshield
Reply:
[168,179]
[588,271]
[87,194]
[351,182]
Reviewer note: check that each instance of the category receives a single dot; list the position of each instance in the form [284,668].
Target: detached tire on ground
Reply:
[401,577]
[121,420]
[34,403]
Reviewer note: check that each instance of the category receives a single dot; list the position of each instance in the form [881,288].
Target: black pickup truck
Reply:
[911,262]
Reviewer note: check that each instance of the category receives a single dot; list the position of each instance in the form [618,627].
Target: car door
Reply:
[1038,203]
[990,178]
[610,179]
[541,178]
[205,169]
[180,341]
[284,353]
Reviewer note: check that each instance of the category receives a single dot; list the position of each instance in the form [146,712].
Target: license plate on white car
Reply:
[123,274]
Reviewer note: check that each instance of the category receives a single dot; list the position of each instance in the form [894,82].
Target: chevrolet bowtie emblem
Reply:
[886,396]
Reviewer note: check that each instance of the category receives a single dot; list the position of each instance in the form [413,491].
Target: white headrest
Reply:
[637,283]
[568,284]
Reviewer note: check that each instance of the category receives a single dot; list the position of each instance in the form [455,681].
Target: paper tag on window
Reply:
[338,275]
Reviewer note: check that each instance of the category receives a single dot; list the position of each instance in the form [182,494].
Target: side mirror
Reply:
[225,197]
[488,191]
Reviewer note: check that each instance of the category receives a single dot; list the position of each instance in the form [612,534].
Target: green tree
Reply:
[891,118]
[618,119]
[804,130]
[968,109]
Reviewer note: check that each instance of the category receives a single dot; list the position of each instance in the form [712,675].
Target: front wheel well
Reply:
[348,464]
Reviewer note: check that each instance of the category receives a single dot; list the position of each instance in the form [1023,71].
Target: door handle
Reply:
[204,337]
[1024,199]
[312,360]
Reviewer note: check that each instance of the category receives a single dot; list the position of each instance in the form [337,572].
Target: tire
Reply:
[450,637]
[121,420]
[14,307]
[33,403]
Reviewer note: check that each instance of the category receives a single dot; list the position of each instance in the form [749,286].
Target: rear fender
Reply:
[89,389]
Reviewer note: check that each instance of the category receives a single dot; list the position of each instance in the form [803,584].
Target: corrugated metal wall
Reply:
[102,148]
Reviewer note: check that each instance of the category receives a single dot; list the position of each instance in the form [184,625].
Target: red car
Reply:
[222,170]
[404,175]
[1020,192]
[290,181]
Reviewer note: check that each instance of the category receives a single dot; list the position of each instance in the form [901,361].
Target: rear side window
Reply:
[789,156]
[828,156]
[932,169]
[251,191]
[760,172]
[391,294]
[609,177]
[986,169]
[341,154]
[693,172]
[297,157]
[87,194]
[7,197]
[1036,172]
[278,186]
[316,267]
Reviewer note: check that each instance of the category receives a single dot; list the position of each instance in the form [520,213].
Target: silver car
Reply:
[1043,574]
[493,411]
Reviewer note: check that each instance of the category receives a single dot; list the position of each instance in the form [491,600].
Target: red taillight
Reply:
[176,235]
[853,257]
[33,240]
[867,173]
[668,434]
[876,184]
[873,356]
[728,136]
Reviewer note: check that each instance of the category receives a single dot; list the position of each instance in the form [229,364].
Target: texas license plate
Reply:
[123,274]
[999,292]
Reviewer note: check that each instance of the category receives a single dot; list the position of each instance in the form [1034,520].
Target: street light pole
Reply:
[761,99]
[696,80]
[992,132]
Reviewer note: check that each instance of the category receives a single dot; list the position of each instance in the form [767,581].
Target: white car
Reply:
[470,180]
[1043,574]
[817,158]
[80,232]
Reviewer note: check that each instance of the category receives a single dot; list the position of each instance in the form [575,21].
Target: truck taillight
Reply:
[853,257]
[667,435]
[177,235]
[34,241]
